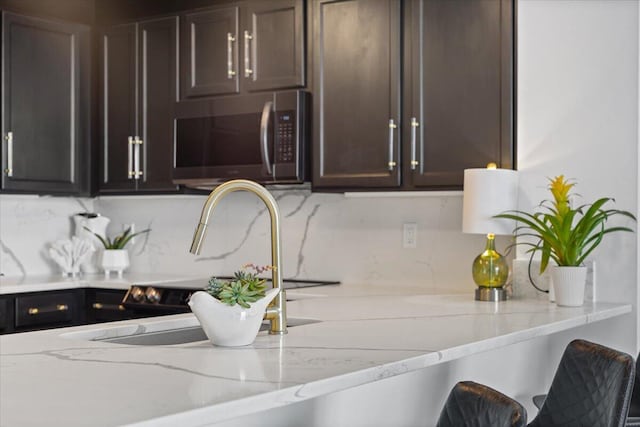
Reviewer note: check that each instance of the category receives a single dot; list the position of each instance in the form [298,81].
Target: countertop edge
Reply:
[278,398]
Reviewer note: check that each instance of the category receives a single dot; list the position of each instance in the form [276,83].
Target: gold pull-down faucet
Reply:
[277,311]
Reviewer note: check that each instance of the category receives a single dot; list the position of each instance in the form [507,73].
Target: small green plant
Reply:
[120,241]
[564,234]
[243,289]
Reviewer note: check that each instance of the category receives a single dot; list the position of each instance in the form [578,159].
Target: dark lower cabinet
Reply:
[138,93]
[45,310]
[6,324]
[457,96]
[45,106]
[105,305]
[34,311]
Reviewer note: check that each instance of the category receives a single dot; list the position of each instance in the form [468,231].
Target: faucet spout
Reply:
[276,312]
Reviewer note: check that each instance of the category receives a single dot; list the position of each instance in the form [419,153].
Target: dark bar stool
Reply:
[633,420]
[475,405]
[592,387]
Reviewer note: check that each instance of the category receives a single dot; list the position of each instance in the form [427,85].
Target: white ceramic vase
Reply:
[86,224]
[229,326]
[116,260]
[568,285]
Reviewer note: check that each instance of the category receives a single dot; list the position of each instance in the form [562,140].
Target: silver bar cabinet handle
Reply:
[136,158]
[414,127]
[264,136]
[230,72]
[392,128]
[9,169]
[130,159]
[247,58]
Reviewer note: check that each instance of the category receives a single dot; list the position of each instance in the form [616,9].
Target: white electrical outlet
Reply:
[409,235]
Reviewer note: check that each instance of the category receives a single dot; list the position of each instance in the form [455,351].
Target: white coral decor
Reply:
[70,253]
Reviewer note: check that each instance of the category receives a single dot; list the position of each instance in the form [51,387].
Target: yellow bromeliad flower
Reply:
[560,188]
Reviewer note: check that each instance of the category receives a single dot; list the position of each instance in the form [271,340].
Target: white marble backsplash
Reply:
[324,236]
[28,225]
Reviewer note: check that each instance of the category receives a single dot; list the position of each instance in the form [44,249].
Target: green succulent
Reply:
[237,293]
[214,287]
[244,288]
[120,241]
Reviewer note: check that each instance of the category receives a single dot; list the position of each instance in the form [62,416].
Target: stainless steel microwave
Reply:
[262,137]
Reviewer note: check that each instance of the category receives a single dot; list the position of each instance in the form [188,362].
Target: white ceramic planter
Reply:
[114,260]
[568,285]
[226,325]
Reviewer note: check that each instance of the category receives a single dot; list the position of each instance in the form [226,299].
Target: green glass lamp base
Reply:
[490,269]
[490,272]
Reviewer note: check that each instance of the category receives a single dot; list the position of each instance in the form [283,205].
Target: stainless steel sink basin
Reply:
[181,335]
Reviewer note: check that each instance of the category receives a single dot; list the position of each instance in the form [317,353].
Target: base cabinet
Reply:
[34,311]
[44,310]
[6,312]
[105,305]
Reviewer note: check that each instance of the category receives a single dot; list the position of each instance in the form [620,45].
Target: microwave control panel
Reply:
[285,136]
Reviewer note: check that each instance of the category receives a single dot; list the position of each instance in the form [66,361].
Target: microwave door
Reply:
[266,139]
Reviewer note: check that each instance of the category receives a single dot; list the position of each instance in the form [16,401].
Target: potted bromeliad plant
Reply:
[231,311]
[565,236]
[115,256]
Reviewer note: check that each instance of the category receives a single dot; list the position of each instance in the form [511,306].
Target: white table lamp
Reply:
[488,192]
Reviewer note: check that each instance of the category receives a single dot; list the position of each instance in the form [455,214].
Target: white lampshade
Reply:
[488,192]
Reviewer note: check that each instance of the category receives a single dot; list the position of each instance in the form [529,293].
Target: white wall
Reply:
[578,116]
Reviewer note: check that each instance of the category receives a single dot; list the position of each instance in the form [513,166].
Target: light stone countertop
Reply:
[16,285]
[365,334]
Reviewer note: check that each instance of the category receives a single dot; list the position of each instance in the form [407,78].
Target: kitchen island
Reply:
[363,335]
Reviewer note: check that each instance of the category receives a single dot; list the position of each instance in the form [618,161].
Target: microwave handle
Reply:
[264,136]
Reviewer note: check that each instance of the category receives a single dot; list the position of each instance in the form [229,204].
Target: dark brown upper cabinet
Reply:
[356,93]
[138,95]
[254,46]
[45,106]
[459,91]
[456,92]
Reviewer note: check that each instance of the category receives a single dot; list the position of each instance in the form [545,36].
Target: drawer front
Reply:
[54,308]
[4,314]
[107,306]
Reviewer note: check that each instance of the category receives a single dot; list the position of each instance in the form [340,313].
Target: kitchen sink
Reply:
[173,336]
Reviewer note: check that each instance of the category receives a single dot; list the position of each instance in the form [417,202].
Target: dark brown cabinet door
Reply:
[118,107]
[139,91]
[273,45]
[158,94]
[45,111]
[209,53]
[458,105]
[356,87]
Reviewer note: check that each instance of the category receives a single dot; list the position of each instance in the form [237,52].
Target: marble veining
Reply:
[12,256]
[325,236]
[364,335]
